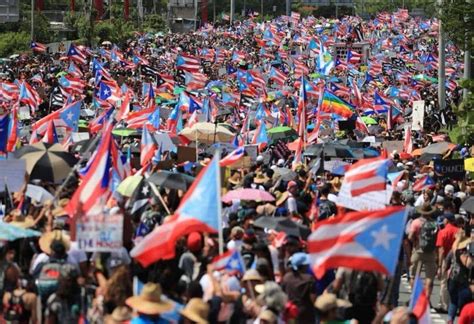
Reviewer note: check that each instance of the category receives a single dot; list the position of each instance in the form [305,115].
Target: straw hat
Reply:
[120,314]
[267,209]
[283,197]
[463,243]
[260,178]
[235,179]
[426,209]
[196,310]
[149,302]
[21,221]
[336,183]
[252,275]
[327,302]
[57,235]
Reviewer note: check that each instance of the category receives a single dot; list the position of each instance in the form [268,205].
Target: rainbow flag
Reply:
[331,103]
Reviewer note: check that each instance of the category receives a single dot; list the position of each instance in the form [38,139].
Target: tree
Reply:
[457,17]
[463,133]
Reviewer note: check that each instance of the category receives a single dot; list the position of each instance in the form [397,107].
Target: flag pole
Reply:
[157,193]
[217,156]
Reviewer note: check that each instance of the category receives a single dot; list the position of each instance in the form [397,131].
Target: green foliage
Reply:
[372,7]
[13,42]
[41,23]
[463,133]
[154,24]
[458,22]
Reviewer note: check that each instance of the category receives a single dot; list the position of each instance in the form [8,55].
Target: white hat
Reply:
[449,189]
[280,162]
[259,158]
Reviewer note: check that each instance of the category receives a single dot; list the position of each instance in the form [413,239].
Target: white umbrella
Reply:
[207,133]
[38,193]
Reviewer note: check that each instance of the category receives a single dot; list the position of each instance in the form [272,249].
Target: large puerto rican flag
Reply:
[420,303]
[199,211]
[366,241]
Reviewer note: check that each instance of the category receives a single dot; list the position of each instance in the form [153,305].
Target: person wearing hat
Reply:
[444,242]
[196,311]
[189,258]
[299,285]
[327,305]
[120,315]
[149,305]
[422,234]
[461,274]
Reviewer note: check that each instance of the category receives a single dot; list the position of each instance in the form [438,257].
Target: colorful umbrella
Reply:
[10,232]
[125,132]
[369,120]
[128,185]
[49,162]
[247,194]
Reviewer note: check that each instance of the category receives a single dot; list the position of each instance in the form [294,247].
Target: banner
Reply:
[102,233]
[368,201]
[453,169]
[418,115]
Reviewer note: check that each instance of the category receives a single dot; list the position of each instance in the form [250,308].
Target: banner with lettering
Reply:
[453,169]
[102,233]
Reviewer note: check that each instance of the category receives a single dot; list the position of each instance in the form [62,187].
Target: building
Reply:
[182,14]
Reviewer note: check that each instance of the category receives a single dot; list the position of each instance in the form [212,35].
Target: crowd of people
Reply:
[290,105]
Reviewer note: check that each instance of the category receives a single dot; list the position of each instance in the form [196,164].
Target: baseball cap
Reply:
[299,259]
[449,189]
[291,184]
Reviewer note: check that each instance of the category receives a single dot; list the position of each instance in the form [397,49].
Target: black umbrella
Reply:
[283,224]
[48,162]
[171,180]
[468,205]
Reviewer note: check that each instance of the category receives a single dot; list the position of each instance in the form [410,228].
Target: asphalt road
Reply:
[405,292]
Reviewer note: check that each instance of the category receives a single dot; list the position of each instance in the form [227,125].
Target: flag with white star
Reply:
[366,241]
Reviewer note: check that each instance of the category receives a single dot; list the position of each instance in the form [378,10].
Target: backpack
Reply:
[363,290]
[428,233]
[15,311]
[48,278]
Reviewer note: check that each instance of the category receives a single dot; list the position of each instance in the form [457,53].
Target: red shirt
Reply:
[467,314]
[446,237]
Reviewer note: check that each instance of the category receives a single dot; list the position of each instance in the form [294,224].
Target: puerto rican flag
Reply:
[277,76]
[67,116]
[199,210]
[353,57]
[367,175]
[230,261]
[93,192]
[426,182]
[365,241]
[75,54]
[148,147]
[50,137]
[38,47]
[72,84]
[188,63]
[420,303]
[233,157]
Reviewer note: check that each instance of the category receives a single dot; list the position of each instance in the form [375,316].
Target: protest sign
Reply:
[78,137]
[101,233]
[368,201]
[418,115]
[469,164]
[12,174]
[186,154]
[453,169]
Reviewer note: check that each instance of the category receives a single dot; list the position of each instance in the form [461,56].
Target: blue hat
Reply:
[449,216]
[299,259]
